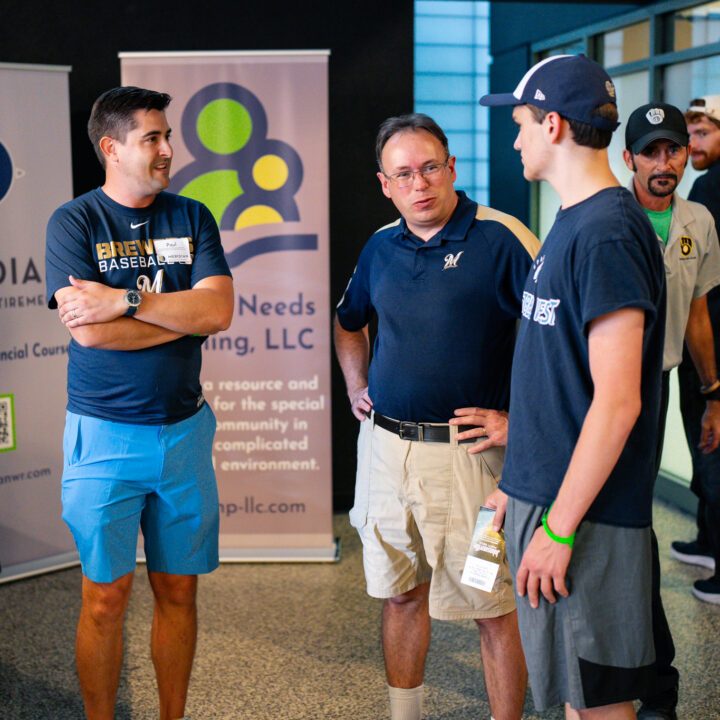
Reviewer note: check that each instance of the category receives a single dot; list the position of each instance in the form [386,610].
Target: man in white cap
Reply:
[576,490]
[703,122]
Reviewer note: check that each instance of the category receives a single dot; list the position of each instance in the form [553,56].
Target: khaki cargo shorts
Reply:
[415,509]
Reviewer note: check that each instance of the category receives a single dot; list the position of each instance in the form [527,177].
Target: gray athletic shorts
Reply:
[594,647]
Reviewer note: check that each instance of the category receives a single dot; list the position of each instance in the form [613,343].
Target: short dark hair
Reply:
[113,113]
[402,123]
[584,133]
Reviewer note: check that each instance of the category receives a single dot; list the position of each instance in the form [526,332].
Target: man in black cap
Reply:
[584,407]
[656,141]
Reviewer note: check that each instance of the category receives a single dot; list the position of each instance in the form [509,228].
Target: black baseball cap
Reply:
[572,85]
[655,121]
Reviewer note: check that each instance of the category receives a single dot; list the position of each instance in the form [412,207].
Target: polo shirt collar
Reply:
[681,212]
[455,229]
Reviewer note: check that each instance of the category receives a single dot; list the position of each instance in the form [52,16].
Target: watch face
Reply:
[133,298]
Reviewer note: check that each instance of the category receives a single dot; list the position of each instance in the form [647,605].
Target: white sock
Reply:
[406,703]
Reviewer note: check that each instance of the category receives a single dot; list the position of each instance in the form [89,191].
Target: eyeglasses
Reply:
[406,178]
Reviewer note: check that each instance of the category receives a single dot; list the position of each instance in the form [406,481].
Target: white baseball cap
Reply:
[707,105]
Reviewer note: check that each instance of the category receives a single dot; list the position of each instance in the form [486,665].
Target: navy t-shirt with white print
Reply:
[95,238]
[601,255]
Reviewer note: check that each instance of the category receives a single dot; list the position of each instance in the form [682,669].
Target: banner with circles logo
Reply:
[35,178]
[250,141]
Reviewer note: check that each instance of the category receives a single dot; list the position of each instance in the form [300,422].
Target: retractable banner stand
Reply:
[250,140]
[35,179]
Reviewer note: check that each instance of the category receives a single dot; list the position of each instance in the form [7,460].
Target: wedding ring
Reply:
[75,314]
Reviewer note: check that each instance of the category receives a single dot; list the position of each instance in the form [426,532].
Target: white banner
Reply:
[250,140]
[35,179]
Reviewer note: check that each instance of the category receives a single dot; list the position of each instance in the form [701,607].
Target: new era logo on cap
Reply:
[538,95]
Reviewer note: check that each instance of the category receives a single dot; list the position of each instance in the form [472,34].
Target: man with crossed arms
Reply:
[138,276]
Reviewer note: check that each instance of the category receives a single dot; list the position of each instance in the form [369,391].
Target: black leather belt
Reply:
[420,432]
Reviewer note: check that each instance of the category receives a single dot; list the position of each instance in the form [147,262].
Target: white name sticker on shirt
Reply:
[173,250]
[486,552]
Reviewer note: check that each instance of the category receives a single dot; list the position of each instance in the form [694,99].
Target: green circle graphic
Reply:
[224,126]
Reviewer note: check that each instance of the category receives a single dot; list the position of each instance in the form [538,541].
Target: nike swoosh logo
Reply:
[137,225]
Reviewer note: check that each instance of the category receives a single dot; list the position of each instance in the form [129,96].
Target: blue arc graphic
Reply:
[6,171]
[273,243]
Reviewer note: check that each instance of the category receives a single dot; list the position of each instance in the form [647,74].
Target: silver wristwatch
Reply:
[133,298]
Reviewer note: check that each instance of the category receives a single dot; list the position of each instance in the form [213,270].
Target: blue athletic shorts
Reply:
[118,477]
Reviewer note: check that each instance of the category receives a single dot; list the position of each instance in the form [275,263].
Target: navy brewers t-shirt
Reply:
[447,311]
[601,255]
[95,238]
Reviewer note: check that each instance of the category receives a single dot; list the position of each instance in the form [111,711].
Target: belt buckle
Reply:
[417,427]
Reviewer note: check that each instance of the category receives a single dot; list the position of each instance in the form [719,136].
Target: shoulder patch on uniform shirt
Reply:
[527,239]
[389,225]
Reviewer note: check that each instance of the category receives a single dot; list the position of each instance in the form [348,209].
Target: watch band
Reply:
[712,395]
[709,388]
[132,299]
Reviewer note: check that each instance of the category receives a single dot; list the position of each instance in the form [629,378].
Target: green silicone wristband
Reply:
[563,540]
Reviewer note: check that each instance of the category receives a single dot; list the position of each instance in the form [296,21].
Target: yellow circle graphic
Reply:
[257,215]
[270,172]
[686,245]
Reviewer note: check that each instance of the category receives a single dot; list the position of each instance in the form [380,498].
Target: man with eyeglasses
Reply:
[445,281]
[703,122]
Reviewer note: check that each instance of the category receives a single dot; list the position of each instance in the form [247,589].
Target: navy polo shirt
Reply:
[446,312]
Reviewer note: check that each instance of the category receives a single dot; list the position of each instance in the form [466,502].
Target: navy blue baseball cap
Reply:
[572,85]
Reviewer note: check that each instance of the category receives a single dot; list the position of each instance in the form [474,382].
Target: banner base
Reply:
[38,567]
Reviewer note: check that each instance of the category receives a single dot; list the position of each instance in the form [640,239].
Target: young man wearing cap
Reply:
[445,282]
[656,141]
[703,119]
[576,491]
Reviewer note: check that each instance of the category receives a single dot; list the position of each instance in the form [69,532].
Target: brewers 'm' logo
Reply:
[686,245]
[655,115]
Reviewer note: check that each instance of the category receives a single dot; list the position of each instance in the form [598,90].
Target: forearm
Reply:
[200,311]
[204,310]
[699,339]
[123,334]
[353,353]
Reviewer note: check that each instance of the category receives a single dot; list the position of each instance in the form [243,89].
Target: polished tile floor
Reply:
[296,642]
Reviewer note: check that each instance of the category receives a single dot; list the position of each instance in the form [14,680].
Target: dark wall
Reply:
[514,26]
[371,77]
